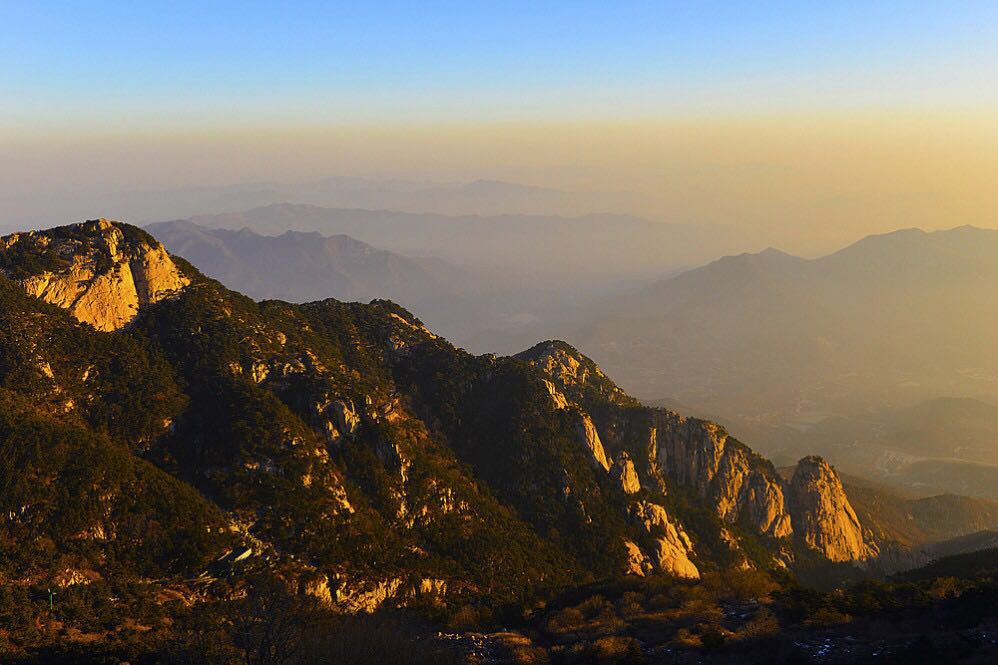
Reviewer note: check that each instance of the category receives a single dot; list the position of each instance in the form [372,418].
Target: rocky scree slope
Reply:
[347,447]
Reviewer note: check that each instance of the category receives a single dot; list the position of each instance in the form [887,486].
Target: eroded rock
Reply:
[625,475]
[673,547]
[823,517]
[590,438]
[96,270]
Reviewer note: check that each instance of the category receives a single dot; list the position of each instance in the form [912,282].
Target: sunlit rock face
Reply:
[699,454]
[672,547]
[557,399]
[625,475]
[823,517]
[573,374]
[590,439]
[665,449]
[101,271]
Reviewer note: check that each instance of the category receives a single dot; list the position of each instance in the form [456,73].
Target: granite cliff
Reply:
[674,451]
[101,272]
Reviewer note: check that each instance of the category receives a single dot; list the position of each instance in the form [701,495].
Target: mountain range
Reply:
[586,250]
[300,266]
[463,302]
[159,429]
[775,338]
[303,421]
[774,346]
[879,357]
[478,197]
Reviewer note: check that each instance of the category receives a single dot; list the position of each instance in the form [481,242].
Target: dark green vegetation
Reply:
[210,482]
[342,444]
[944,613]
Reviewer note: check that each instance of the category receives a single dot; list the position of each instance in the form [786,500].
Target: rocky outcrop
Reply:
[365,596]
[414,325]
[624,474]
[700,455]
[740,486]
[638,562]
[343,419]
[590,438]
[567,368]
[573,373]
[672,546]
[102,272]
[318,588]
[557,398]
[823,517]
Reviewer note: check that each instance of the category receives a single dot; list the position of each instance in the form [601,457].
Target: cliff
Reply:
[101,271]
[823,516]
[700,458]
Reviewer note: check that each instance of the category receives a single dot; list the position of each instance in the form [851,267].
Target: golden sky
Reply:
[806,182]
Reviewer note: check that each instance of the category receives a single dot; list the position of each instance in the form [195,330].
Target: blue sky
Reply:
[63,64]
[811,122]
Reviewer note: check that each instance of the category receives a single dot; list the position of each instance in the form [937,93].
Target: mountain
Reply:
[168,446]
[464,303]
[500,282]
[359,448]
[303,266]
[592,248]
[771,338]
[916,521]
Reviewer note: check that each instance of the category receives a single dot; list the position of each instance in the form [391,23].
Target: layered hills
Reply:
[300,266]
[588,249]
[352,448]
[770,334]
[879,357]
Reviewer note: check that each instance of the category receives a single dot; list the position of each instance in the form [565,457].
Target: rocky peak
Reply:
[741,487]
[574,374]
[700,455]
[822,515]
[625,475]
[103,272]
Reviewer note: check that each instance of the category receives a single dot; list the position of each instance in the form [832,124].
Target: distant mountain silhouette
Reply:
[892,319]
[479,197]
[300,266]
[593,247]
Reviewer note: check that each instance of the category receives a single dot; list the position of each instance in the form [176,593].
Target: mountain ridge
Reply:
[304,421]
[807,316]
[588,244]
